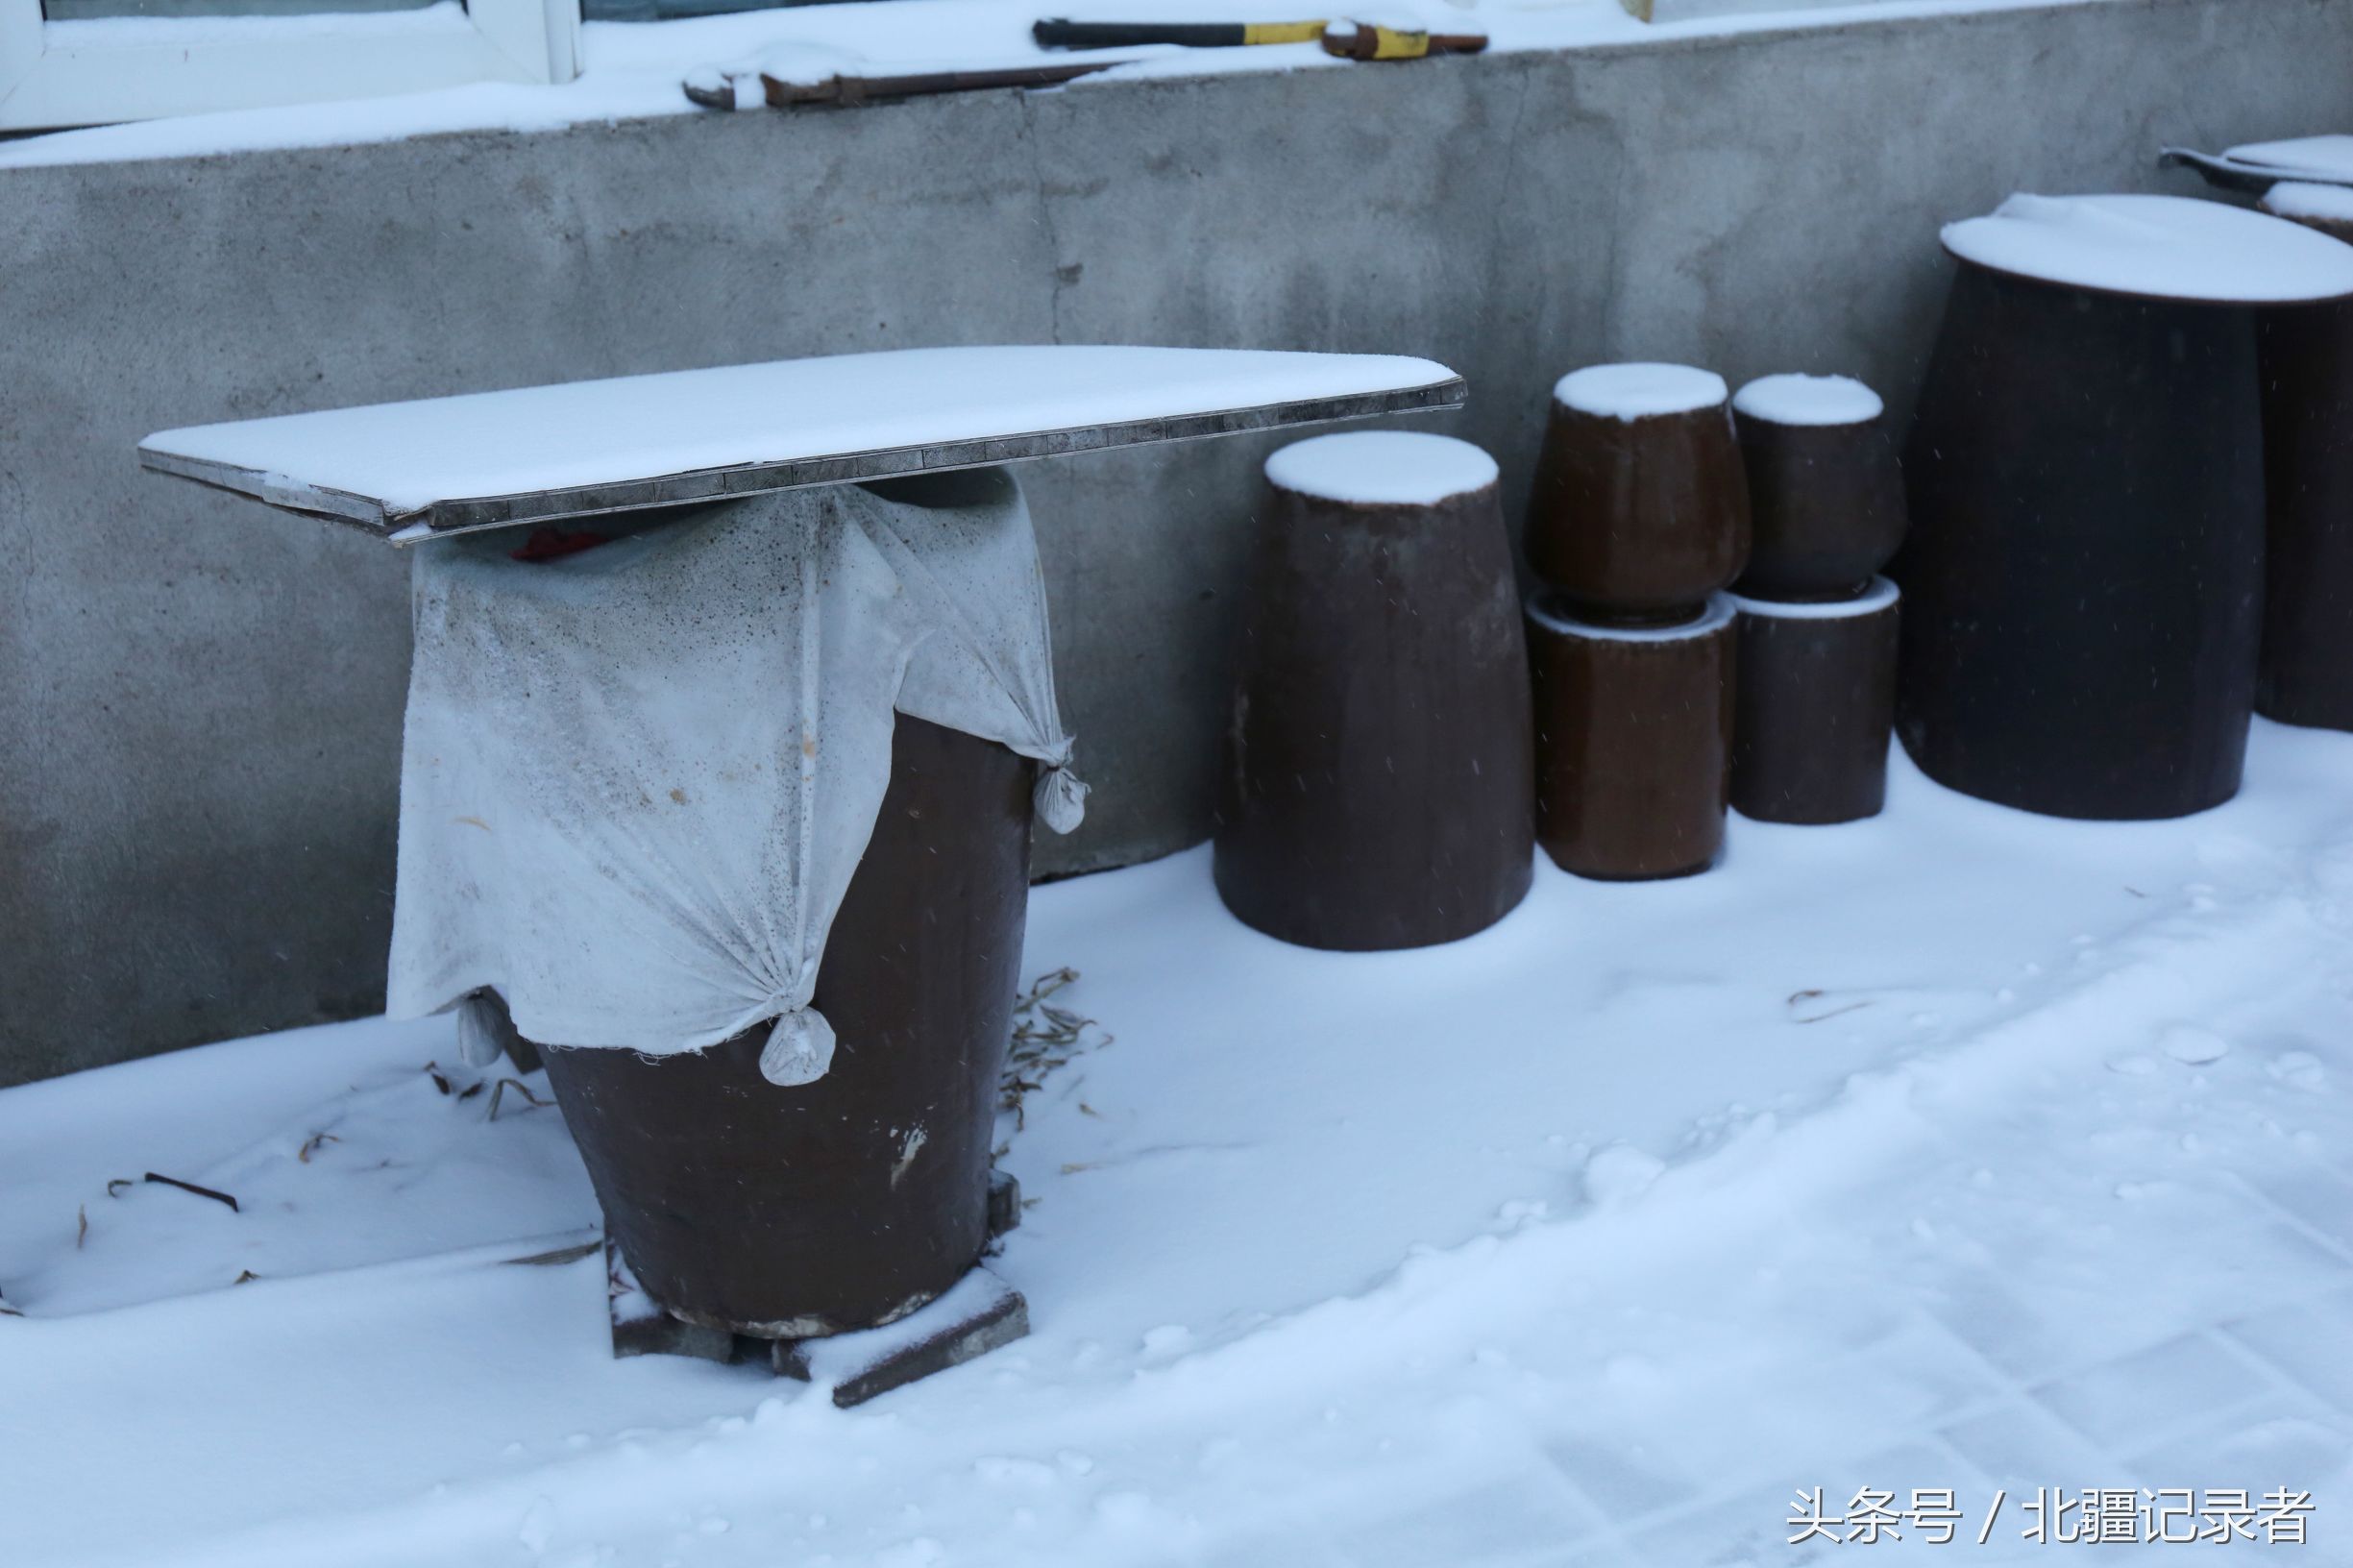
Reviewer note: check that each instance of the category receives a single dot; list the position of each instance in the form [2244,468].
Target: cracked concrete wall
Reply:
[201,700]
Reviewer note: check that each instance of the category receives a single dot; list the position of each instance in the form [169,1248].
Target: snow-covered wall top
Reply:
[634,70]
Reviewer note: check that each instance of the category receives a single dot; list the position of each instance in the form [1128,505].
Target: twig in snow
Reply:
[114,1187]
[81,1229]
[1045,1038]
[200,1192]
[432,1070]
[245,1276]
[561,1255]
[471,1090]
[1815,992]
[313,1143]
[518,1086]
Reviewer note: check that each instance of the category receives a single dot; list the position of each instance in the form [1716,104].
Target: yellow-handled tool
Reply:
[1350,40]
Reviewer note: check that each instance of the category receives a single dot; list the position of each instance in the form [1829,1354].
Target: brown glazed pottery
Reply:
[1825,492]
[1633,741]
[1639,511]
[2083,581]
[845,1203]
[1813,707]
[1376,790]
[2306,355]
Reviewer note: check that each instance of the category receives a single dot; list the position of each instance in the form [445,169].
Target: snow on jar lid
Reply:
[1808,400]
[1638,391]
[1382,467]
[2329,205]
[2156,247]
[1553,611]
[1877,596]
[2325,156]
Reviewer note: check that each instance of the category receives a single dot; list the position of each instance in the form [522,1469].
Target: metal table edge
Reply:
[472,514]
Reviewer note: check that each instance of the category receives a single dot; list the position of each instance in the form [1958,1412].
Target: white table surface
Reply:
[490,459]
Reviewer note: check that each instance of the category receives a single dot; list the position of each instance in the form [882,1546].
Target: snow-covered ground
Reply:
[1959,1149]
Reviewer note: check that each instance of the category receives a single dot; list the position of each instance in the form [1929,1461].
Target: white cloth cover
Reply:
[636,781]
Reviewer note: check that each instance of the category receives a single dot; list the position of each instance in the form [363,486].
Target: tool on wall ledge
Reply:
[807,74]
[1347,39]
[1061,33]
[782,86]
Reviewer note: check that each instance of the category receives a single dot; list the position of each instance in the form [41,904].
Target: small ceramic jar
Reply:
[1639,511]
[1814,707]
[1376,780]
[1825,492]
[1634,740]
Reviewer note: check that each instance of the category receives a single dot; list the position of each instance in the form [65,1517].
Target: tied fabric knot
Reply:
[478,1042]
[1060,797]
[799,1048]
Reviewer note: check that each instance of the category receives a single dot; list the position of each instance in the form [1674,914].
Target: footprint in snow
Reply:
[2186,1043]
[1619,1174]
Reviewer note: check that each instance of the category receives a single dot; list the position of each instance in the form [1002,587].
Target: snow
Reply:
[2330,155]
[2322,204]
[809,64]
[2163,247]
[1808,400]
[1371,467]
[1877,597]
[1638,391]
[634,70]
[407,456]
[1547,612]
[1897,1154]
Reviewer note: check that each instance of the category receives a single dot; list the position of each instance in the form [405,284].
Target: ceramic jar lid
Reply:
[1808,400]
[1638,390]
[1876,597]
[2328,209]
[2156,247]
[1382,467]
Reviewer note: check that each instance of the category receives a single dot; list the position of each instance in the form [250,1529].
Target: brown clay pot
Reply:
[1639,510]
[1825,492]
[2083,577]
[1814,707]
[794,1212]
[1633,741]
[2306,356]
[1376,792]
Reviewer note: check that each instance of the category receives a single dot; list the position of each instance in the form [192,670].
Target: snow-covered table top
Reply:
[2157,247]
[487,459]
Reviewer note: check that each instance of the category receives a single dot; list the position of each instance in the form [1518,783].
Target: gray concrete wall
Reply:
[200,700]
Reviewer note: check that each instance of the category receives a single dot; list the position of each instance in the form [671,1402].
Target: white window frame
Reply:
[54,75]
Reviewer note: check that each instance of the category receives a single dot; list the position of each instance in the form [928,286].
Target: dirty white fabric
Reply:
[636,781]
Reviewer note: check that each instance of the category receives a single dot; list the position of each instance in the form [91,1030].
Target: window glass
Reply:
[654,10]
[82,10]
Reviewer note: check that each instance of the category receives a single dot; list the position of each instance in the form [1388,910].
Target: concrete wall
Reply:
[200,700]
